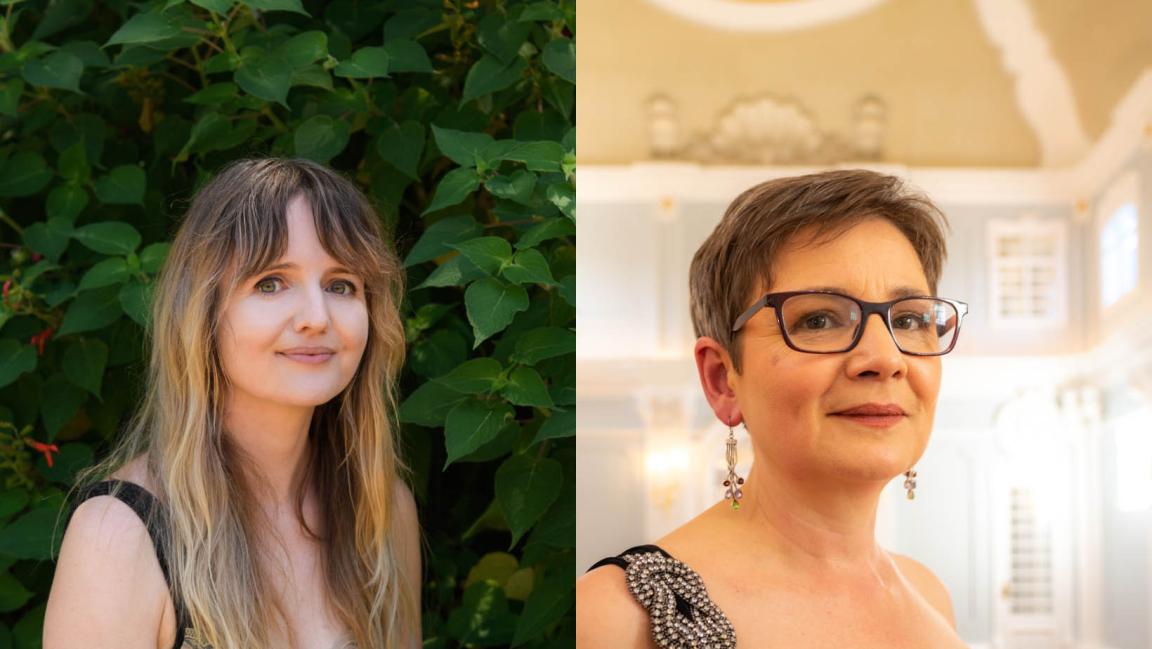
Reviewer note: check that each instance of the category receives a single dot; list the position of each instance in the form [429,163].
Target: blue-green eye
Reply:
[265,282]
[351,288]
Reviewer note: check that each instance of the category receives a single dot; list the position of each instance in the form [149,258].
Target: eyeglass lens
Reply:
[828,323]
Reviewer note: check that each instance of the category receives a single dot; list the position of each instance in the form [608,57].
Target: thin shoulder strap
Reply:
[148,508]
[619,560]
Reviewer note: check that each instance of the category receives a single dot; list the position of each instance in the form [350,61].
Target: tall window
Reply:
[1027,272]
[1119,261]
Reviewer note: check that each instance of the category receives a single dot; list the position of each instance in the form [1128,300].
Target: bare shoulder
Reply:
[927,584]
[606,613]
[136,470]
[406,532]
[108,589]
[405,503]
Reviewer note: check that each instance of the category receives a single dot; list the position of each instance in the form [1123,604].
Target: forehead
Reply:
[872,256]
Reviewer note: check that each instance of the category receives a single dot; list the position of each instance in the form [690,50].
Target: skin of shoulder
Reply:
[606,613]
[927,584]
[407,534]
[108,591]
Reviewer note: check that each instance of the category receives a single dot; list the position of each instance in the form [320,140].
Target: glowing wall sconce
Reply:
[665,468]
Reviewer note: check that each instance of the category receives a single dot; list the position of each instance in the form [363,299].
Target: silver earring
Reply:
[733,484]
[910,483]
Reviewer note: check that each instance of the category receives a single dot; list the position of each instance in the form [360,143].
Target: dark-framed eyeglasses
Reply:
[824,322]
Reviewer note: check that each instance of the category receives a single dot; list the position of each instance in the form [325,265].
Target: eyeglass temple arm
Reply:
[751,311]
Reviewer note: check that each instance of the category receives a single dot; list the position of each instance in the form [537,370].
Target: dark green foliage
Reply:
[457,119]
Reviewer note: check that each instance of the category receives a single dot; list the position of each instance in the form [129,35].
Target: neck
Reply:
[274,437]
[814,524]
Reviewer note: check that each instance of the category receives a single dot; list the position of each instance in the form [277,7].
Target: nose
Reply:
[312,312]
[876,355]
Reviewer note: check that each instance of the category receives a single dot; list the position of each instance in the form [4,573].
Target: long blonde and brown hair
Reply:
[235,227]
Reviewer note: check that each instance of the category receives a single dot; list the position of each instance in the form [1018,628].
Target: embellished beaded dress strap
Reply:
[681,614]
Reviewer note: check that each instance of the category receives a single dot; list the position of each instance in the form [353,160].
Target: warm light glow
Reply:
[666,463]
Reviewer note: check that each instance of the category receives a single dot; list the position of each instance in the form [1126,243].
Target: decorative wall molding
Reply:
[1043,92]
[766,17]
[767,130]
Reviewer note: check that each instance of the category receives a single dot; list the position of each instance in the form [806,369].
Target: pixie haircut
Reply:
[738,257]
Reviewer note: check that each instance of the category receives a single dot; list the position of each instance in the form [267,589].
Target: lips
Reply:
[873,410]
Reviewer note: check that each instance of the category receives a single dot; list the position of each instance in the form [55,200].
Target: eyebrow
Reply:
[896,293]
[291,266]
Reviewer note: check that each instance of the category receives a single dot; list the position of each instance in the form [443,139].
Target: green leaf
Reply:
[560,58]
[462,147]
[401,145]
[59,69]
[454,187]
[91,310]
[220,7]
[28,631]
[437,353]
[49,238]
[563,196]
[108,237]
[30,536]
[72,458]
[321,138]
[525,488]
[496,567]
[529,267]
[59,402]
[13,594]
[517,187]
[489,254]
[568,289]
[124,185]
[562,423]
[10,92]
[152,257]
[16,358]
[265,77]
[474,376]
[537,156]
[314,76]
[113,270]
[214,94]
[489,75]
[457,271]
[145,28]
[548,229]
[277,5]
[303,49]
[542,343]
[470,424]
[543,11]
[549,602]
[23,174]
[136,301]
[429,404]
[84,363]
[526,388]
[12,501]
[439,236]
[501,37]
[210,133]
[491,306]
[366,63]
[72,164]
[407,56]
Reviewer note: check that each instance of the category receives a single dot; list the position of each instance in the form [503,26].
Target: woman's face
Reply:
[295,334]
[789,399]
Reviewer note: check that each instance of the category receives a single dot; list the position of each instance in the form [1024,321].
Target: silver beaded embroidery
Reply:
[655,580]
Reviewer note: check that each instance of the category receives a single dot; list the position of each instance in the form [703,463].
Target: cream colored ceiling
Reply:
[949,99]
[1103,46]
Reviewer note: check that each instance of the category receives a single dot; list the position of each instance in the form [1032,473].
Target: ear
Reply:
[715,368]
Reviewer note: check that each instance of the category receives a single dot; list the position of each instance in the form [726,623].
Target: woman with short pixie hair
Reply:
[256,500]
[836,403]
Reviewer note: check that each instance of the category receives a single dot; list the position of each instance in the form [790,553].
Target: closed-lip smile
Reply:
[872,410]
[309,350]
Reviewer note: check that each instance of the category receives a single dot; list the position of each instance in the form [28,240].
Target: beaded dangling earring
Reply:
[910,483]
[734,483]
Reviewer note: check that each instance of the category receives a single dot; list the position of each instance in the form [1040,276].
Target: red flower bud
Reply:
[7,286]
[46,449]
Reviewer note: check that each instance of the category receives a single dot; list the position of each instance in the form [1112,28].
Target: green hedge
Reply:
[456,118]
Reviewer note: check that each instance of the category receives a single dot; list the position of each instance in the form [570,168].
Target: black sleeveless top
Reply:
[681,614]
[153,515]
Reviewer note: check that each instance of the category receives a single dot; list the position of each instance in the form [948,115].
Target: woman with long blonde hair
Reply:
[255,500]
